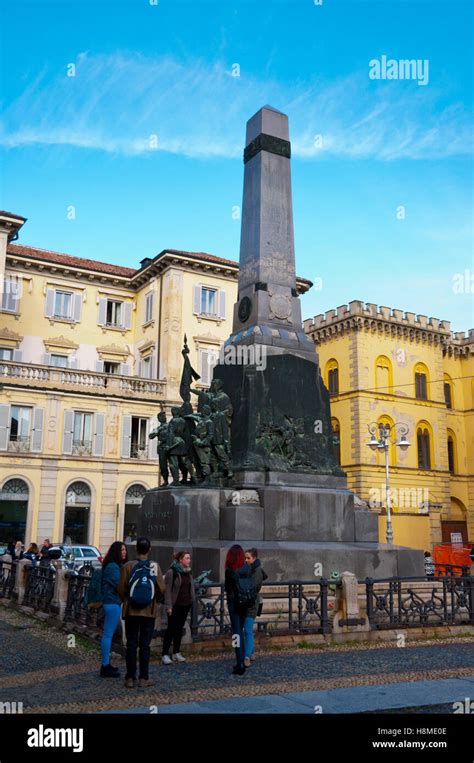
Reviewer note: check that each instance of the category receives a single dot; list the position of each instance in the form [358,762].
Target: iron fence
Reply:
[39,588]
[7,579]
[76,607]
[293,606]
[418,602]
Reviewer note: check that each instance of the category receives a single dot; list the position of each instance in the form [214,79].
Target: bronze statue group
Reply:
[195,445]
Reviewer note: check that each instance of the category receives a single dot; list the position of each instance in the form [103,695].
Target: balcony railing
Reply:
[139,452]
[19,444]
[82,448]
[48,377]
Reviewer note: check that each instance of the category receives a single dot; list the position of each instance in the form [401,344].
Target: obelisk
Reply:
[268,310]
[269,367]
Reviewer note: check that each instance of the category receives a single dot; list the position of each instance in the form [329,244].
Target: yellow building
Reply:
[88,351]
[383,365]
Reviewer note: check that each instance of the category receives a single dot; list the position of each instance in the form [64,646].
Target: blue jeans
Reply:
[237,622]
[248,630]
[111,619]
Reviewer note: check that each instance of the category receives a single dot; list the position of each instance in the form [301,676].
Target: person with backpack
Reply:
[179,596]
[241,596]
[258,575]
[141,588]
[114,559]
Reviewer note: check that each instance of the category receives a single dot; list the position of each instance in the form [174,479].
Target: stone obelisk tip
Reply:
[269,121]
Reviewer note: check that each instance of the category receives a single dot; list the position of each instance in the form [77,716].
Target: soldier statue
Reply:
[161,432]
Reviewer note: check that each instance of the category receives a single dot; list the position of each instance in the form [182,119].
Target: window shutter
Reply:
[222,304]
[125,369]
[73,362]
[46,359]
[126,436]
[197,300]
[127,315]
[102,312]
[140,367]
[205,367]
[17,355]
[152,444]
[153,374]
[49,310]
[149,307]
[14,293]
[4,426]
[68,432]
[37,432]
[76,307]
[98,446]
[99,366]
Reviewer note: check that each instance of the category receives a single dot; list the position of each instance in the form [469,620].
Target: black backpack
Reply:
[246,592]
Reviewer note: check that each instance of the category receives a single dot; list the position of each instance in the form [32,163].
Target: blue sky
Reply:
[166,70]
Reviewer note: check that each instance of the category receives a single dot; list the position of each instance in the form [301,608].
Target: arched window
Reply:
[383,374]
[452,455]
[336,439]
[14,497]
[421,382]
[423,437]
[448,391]
[133,500]
[77,513]
[332,376]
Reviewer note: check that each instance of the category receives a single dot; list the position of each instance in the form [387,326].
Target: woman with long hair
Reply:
[115,558]
[179,596]
[238,587]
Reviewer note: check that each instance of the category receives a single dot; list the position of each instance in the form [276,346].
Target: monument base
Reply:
[299,531]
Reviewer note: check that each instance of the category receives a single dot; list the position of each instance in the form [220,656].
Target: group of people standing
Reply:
[135,589]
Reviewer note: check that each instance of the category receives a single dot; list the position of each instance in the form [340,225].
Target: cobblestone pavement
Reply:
[40,669]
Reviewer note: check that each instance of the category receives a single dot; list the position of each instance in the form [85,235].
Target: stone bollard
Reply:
[348,617]
[61,586]
[21,578]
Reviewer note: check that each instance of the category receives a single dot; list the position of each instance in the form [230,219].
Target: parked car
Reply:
[78,558]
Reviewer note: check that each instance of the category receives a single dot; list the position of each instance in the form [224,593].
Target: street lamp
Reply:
[381,436]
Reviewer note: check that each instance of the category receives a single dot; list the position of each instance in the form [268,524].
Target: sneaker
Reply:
[178,657]
[252,658]
[108,671]
[129,683]
[166,659]
[144,683]
[247,662]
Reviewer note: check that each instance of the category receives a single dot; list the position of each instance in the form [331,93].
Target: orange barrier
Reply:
[449,558]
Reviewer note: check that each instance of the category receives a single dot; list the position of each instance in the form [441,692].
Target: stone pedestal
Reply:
[294,528]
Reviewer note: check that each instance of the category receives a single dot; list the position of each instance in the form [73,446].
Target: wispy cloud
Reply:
[198,109]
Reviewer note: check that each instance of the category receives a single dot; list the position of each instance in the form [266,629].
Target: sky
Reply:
[123,126]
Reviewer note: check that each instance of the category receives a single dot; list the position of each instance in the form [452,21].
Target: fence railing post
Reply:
[324,606]
[369,598]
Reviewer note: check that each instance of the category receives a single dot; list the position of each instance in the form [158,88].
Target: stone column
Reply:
[20,579]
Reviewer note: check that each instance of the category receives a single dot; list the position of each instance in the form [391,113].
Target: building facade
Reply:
[89,352]
[383,365]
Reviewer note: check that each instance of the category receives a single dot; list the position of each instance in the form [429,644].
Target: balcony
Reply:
[19,444]
[139,452]
[33,375]
[82,448]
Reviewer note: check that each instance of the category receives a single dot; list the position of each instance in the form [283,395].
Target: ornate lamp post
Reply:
[381,436]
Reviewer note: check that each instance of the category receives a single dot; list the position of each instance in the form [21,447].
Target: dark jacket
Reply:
[230,584]
[110,581]
[259,576]
[173,584]
[123,589]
